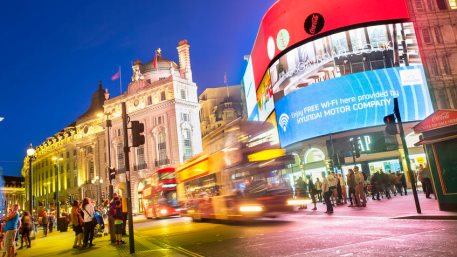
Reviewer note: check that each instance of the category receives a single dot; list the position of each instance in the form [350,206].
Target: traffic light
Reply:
[391,126]
[112,174]
[137,130]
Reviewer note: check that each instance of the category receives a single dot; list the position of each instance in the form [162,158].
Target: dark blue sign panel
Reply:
[353,101]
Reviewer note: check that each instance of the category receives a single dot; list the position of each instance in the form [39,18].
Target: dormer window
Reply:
[162,96]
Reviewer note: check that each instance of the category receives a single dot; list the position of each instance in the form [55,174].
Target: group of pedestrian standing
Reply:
[82,219]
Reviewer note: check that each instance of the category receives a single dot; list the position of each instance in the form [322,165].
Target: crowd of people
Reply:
[356,186]
[86,219]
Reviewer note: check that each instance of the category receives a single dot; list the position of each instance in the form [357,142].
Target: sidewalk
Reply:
[397,207]
[60,244]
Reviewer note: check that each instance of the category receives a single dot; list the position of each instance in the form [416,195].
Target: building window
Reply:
[442,4]
[438,35]
[162,147]
[441,98]
[187,144]
[434,67]
[68,154]
[184,117]
[91,169]
[118,132]
[120,157]
[140,156]
[427,37]
[446,65]
[431,6]
[162,96]
[453,4]
[149,100]
[419,6]
[183,94]
[75,152]
[75,179]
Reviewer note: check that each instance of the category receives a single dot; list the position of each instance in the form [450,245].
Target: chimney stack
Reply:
[184,59]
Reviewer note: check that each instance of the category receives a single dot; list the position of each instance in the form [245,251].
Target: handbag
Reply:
[32,234]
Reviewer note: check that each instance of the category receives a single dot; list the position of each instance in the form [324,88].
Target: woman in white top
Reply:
[88,211]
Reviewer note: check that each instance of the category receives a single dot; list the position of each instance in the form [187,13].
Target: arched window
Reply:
[314,155]
[187,144]
[162,148]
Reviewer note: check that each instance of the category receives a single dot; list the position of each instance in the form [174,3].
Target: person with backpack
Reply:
[118,217]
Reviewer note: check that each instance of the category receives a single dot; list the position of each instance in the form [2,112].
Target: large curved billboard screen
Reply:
[348,80]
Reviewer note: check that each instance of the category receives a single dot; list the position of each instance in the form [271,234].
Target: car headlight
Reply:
[251,208]
[298,202]
[163,211]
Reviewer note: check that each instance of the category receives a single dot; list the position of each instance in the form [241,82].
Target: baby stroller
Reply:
[99,225]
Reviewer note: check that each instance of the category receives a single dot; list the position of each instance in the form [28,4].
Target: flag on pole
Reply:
[155,61]
[117,75]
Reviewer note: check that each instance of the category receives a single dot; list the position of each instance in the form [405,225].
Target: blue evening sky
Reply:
[54,52]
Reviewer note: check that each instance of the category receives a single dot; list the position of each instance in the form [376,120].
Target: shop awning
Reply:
[439,119]
[436,139]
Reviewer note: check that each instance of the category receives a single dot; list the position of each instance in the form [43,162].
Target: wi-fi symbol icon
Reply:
[283,121]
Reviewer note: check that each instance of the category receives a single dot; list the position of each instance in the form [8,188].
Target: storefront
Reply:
[439,138]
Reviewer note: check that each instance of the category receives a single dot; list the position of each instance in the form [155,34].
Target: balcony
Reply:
[159,163]
[141,166]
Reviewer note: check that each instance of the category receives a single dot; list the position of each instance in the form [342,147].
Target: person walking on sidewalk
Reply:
[112,206]
[424,177]
[327,194]
[352,184]
[52,221]
[27,226]
[88,212]
[318,186]
[118,217]
[45,223]
[312,191]
[10,229]
[403,182]
[359,188]
[77,221]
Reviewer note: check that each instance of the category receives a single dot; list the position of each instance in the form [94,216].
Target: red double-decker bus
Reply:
[159,197]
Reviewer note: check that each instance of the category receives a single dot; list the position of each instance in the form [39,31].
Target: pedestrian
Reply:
[386,184]
[351,185]
[77,222]
[332,183]
[118,217]
[398,185]
[375,186]
[27,226]
[112,206]
[52,221]
[312,191]
[124,211]
[403,183]
[10,229]
[302,190]
[327,194]
[359,188]
[318,186]
[424,177]
[392,183]
[18,230]
[88,212]
[45,223]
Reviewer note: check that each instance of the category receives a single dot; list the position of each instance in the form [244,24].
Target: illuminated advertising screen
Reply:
[291,22]
[348,80]
[265,102]
[250,92]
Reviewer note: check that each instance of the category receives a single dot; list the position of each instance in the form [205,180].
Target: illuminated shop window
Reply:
[453,4]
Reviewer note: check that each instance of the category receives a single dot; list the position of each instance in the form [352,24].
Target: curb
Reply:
[427,217]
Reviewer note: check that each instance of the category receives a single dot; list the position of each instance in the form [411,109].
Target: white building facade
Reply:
[162,96]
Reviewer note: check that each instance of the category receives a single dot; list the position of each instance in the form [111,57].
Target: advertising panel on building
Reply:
[329,75]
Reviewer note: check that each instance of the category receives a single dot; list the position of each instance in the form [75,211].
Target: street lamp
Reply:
[111,172]
[31,155]
[99,181]
[57,161]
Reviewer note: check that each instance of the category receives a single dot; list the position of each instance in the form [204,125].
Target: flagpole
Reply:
[226,84]
[120,79]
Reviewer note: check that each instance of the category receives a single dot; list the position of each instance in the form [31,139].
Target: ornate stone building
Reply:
[219,106]
[12,191]
[163,96]
[435,23]
[77,153]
